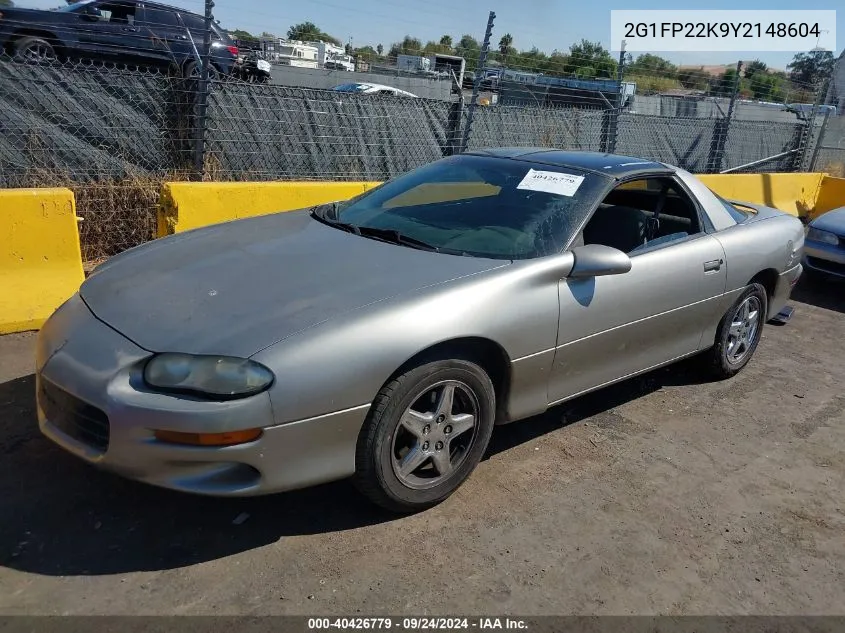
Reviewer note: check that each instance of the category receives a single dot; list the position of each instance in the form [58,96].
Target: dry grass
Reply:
[116,213]
[834,169]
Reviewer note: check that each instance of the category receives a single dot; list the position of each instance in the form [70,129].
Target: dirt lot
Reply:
[661,495]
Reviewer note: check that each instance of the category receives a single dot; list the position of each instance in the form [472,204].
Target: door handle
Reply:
[713,266]
[130,29]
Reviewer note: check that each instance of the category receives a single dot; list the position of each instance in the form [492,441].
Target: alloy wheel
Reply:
[434,434]
[743,330]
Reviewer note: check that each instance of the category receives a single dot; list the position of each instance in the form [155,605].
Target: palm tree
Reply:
[505,43]
[446,40]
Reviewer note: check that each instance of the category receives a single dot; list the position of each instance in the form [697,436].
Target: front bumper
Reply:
[109,416]
[825,258]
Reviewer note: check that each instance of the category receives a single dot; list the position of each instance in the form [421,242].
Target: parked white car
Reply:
[372,89]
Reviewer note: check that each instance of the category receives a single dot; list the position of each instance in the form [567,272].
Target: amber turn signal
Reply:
[229,438]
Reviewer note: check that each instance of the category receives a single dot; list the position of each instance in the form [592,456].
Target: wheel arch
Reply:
[27,31]
[486,353]
[768,278]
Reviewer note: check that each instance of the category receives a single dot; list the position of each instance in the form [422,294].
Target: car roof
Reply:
[614,165]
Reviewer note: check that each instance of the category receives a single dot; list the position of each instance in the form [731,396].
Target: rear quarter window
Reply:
[738,215]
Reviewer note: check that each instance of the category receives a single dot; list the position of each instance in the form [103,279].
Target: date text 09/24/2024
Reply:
[417,623]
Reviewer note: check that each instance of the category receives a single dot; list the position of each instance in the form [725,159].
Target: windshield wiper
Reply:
[318,212]
[395,237]
[385,235]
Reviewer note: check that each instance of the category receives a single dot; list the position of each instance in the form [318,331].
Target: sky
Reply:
[546,24]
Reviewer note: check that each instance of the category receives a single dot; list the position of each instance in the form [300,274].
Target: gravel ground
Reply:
[660,495]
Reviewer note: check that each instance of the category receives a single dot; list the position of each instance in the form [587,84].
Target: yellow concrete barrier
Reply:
[794,193]
[186,205]
[831,196]
[40,260]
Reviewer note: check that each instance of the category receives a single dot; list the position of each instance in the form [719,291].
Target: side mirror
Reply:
[596,260]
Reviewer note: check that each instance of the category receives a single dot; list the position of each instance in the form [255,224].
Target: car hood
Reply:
[238,287]
[833,221]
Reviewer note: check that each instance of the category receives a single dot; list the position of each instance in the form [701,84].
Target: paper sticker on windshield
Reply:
[551,182]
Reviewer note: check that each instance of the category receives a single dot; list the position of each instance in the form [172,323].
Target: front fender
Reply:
[343,362]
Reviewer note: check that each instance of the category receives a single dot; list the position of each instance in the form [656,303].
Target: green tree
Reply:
[559,64]
[694,78]
[238,34]
[754,68]
[308,32]
[506,44]
[468,43]
[811,68]
[766,87]
[594,57]
[469,49]
[723,86]
[7,3]
[446,41]
[648,64]
[434,47]
[408,46]
[380,50]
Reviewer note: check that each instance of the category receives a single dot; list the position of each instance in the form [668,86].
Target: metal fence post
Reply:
[806,139]
[819,142]
[482,60]
[613,122]
[454,130]
[202,95]
[722,127]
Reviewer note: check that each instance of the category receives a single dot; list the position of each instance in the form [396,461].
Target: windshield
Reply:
[481,206]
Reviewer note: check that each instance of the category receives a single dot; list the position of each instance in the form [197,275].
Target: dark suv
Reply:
[134,33]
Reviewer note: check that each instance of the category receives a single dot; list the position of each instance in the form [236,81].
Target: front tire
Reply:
[739,333]
[425,433]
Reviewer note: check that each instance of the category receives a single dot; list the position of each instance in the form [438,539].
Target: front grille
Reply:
[72,416]
[823,264]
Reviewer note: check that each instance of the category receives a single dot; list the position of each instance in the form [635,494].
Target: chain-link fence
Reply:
[114,134]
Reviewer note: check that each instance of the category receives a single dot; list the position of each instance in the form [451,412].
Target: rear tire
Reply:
[419,443]
[34,49]
[738,334]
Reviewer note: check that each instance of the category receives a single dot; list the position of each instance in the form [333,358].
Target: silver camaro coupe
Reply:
[384,337]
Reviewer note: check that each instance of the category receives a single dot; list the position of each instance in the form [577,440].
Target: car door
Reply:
[614,326]
[169,38]
[115,36]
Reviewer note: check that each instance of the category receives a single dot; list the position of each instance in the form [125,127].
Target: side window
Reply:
[160,18]
[117,12]
[643,214]
[196,23]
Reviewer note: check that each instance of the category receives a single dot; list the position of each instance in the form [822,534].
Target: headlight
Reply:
[817,235]
[221,377]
